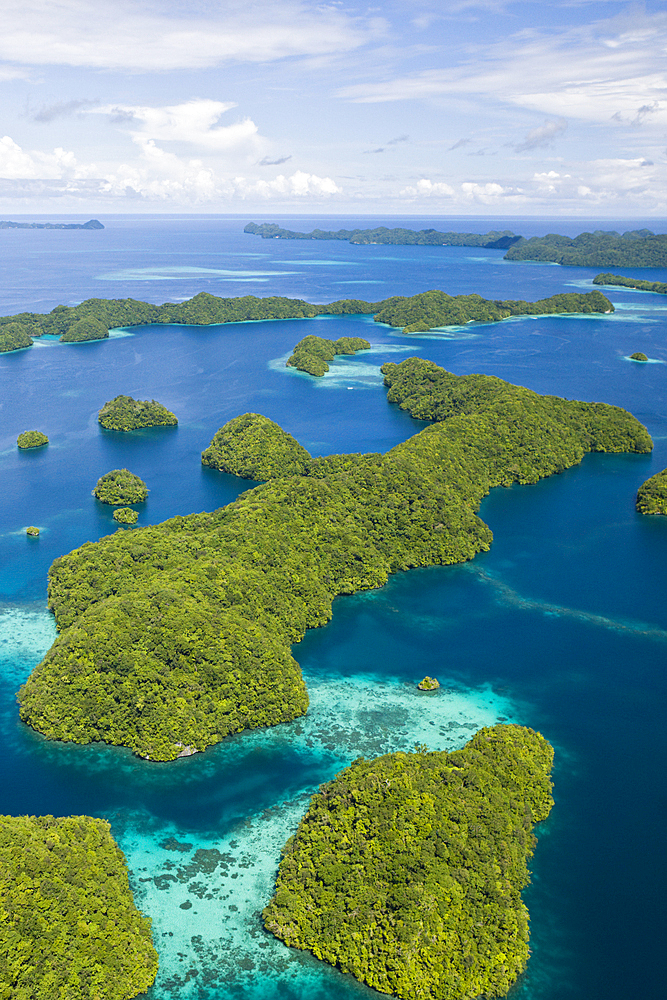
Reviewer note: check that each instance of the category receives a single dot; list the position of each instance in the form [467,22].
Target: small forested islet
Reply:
[652,494]
[125,515]
[407,870]
[68,924]
[123,413]
[253,447]
[639,356]
[638,283]
[179,634]
[312,353]
[32,439]
[120,487]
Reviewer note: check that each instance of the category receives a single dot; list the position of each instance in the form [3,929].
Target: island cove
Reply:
[92,319]
[177,635]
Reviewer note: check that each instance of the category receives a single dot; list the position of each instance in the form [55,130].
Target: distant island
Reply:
[643,286]
[123,413]
[91,224]
[69,924]
[120,487]
[92,319]
[407,870]
[32,439]
[652,495]
[312,353]
[494,240]
[638,356]
[635,248]
[253,447]
[179,634]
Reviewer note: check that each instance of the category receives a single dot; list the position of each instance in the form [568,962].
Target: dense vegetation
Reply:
[429,310]
[32,531]
[125,515]
[32,439]
[92,319]
[69,929]
[253,447]
[312,353]
[407,870]
[178,634]
[652,495]
[639,356]
[120,486]
[644,286]
[496,240]
[638,248]
[86,328]
[14,337]
[123,413]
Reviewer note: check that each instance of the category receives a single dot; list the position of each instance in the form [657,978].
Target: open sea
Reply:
[562,626]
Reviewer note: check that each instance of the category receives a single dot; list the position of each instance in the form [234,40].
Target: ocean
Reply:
[562,626]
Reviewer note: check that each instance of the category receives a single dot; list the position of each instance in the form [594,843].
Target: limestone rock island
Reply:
[120,487]
[32,439]
[253,447]
[123,413]
[652,495]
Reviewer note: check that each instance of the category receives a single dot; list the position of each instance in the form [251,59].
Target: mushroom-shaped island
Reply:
[120,487]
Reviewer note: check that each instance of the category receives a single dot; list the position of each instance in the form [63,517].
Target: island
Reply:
[637,283]
[428,684]
[91,224]
[87,328]
[32,532]
[14,337]
[494,240]
[179,634]
[32,439]
[204,309]
[652,495]
[123,413]
[253,447]
[68,923]
[125,515]
[639,356]
[120,486]
[407,870]
[636,248]
[312,353]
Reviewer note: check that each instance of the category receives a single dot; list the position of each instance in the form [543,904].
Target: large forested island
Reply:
[123,413]
[652,494]
[407,870]
[92,319]
[68,923]
[638,283]
[636,248]
[175,635]
[494,240]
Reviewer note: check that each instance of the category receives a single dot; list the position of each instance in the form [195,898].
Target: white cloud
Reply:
[15,163]
[299,185]
[194,122]
[428,189]
[141,37]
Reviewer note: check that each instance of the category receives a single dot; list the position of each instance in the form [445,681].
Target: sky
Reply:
[436,107]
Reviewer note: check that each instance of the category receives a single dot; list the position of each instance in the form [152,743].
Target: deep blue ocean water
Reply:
[562,626]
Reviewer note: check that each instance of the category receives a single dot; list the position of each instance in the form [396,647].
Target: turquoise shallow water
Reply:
[561,626]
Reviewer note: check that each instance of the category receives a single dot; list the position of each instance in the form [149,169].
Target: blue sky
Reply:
[437,106]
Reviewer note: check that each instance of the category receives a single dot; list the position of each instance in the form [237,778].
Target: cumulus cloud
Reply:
[299,185]
[135,36]
[426,188]
[194,122]
[542,136]
[16,163]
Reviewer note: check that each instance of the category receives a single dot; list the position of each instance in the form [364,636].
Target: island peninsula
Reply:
[636,248]
[92,319]
[68,923]
[178,634]
[652,494]
[407,870]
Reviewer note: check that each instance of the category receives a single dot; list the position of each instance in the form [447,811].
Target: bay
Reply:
[562,626]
